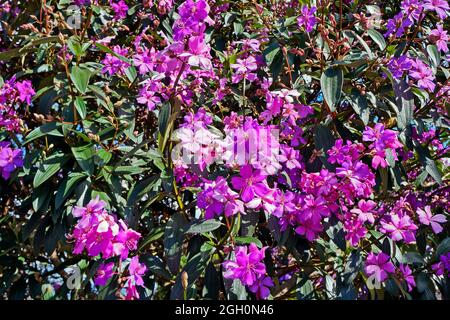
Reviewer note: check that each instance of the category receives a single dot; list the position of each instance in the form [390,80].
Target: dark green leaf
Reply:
[331,83]
[49,167]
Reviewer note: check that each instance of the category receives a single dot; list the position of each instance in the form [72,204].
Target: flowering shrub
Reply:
[215,149]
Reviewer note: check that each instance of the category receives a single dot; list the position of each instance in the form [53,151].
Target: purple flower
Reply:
[243,69]
[217,197]
[354,230]
[443,265]
[250,183]
[196,10]
[405,274]
[136,271]
[247,266]
[145,61]
[120,9]
[309,228]
[427,218]
[307,18]
[10,160]
[399,227]
[104,273]
[379,266]
[423,74]
[397,25]
[112,64]
[261,287]
[125,241]
[26,91]
[440,37]
[82,2]
[412,8]
[382,139]
[398,66]
[440,6]
[364,211]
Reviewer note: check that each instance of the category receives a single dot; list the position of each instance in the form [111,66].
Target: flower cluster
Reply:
[100,234]
[14,93]
[249,269]
[382,140]
[188,55]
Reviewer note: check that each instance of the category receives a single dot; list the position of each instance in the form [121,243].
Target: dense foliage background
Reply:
[95,96]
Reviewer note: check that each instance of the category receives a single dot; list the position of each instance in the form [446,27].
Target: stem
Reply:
[244,98]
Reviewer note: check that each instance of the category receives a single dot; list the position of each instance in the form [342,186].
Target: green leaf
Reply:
[324,140]
[173,239]
[156,234]
[51,128]
[377,38]
[412,257]
[204,226]
[248,240]
[131,73]
[49,167]
[194,268]
[67,187]
[155,265]
[404,99]
[80,105]
[434,54]
[140,189]
[80,78]
[40,197]
[271,51]
[360,105]
[331,83]
[131,170]
[443,247]
[163,118]
[429,164]
[85,157]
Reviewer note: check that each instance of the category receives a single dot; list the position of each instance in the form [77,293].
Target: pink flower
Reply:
[26,91]
[307,18]
[379,266]
[423,74]
[399,228]
[355,230]
[440,6]
[112,64]
[364,211]
[120,9]
[261,287]
[427,218]
[405,274]
[244,68]
[440,37]
[309,228]
[126,240]
[250,183]
[136,271]
[248,265]
[104,273]
[145,61]
[10,160]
